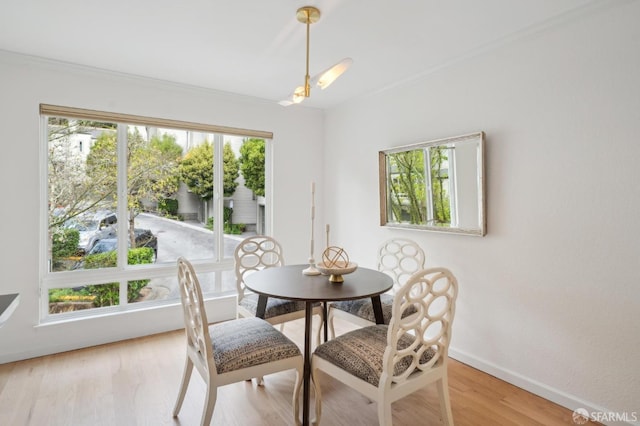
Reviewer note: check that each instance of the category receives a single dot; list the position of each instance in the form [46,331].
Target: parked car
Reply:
[92,227]
[144,238]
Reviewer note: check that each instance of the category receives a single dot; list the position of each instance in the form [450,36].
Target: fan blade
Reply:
[328,76]
[295,98]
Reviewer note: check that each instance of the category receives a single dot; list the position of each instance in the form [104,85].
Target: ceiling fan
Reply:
[309,15]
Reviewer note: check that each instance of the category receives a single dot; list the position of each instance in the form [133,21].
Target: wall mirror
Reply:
[435,186]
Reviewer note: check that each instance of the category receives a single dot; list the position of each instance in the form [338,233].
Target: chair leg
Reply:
[296,395]
[209,404]
[332,331]
[186,376]
[259,380]
[384,413]
[319,333]
[445,404]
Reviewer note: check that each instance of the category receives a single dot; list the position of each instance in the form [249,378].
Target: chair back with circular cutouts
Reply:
[400,258]
[419,341]
[195,318]
[253,254]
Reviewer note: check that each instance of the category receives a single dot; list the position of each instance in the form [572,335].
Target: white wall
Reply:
[27,82]
[550,298]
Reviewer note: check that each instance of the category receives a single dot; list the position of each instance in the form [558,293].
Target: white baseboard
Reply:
[559,397]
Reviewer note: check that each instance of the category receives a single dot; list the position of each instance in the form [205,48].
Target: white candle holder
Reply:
[311,270]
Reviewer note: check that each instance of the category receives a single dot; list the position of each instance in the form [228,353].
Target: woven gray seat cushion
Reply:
[360,352]
[363,308]
[246,342]
[275,306]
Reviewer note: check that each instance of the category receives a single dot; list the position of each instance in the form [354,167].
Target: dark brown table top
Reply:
[288,282]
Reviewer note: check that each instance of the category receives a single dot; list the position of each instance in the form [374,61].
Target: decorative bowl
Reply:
[335,273]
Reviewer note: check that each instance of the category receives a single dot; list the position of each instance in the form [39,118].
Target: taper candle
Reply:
[311,270]
[327,230]
[313,212]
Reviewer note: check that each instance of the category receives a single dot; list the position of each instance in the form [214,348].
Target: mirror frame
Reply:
[481,230]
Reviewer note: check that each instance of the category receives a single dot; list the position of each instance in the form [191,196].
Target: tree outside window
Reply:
[415,196]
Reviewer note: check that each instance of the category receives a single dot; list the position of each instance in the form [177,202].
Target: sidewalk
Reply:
[195,224]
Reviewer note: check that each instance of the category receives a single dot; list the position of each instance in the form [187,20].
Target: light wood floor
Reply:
[135,383]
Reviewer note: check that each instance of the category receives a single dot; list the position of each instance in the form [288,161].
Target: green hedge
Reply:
[168,206]
[228,227]
[108,294]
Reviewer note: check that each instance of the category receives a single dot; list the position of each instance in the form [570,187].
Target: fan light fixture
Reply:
[309,15]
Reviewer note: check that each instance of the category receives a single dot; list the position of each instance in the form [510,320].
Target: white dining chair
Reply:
[388,362]
[259,252]
[231,351]
[397,257]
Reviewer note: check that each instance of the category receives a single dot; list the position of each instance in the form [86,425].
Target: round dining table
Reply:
[288,282]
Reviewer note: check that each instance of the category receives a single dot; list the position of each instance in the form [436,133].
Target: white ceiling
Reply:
[257,47]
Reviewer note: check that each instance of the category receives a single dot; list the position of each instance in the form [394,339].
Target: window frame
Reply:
[123,272]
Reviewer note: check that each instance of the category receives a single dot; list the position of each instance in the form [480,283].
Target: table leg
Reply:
[377,309]
[307,363]
[262,306]
[325,312]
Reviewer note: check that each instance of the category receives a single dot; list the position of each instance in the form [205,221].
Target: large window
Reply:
[126,195]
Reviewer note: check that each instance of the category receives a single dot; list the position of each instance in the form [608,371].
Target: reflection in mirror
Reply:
[436,185]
